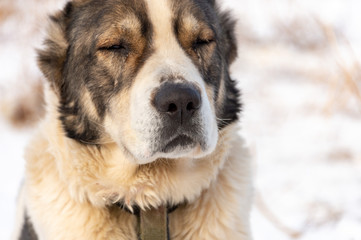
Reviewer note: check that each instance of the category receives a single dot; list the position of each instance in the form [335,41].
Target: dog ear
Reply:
[51,59]
[230,42]
[230,106]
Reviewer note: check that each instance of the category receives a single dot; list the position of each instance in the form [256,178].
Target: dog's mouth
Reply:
[179,142]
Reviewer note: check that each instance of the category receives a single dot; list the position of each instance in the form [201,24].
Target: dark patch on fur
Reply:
[77,68]
[214,65]
[78,124]
[229,111]
[27,231]
[230,43]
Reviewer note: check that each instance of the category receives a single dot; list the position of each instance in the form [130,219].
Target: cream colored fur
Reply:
[69,188]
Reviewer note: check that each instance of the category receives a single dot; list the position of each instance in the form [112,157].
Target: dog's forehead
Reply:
[139,14]
[164,14]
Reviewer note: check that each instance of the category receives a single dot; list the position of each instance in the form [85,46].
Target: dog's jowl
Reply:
[141,124]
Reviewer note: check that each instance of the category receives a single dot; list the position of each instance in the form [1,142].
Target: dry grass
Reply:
[21,99]
[340,155]
[346,84]
[25,109]
[320,214]
[335,63]
[335,66]
[273,218]
[305,33]
[317,215]
[6,10]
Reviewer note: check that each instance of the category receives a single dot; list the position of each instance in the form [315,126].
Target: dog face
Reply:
[150,75]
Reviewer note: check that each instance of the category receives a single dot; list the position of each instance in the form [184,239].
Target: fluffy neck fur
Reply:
[103,175]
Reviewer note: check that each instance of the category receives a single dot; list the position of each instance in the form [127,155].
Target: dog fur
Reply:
[101,140]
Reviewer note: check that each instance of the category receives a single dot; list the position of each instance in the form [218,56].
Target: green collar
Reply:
[153,223]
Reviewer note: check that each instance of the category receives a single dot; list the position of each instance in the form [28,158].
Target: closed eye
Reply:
[201,43]
[114,47]
[119,49]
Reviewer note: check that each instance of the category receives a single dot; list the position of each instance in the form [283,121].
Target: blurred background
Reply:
[300,74]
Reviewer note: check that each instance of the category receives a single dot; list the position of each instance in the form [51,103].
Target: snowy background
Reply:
[300,73]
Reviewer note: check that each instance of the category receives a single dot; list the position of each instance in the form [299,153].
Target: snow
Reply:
[305,140]
[12,143]
[301,116]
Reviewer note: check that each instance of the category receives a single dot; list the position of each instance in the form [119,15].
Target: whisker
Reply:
[224,120]
[96,142]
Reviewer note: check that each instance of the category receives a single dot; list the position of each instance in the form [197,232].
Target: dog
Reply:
[141,117]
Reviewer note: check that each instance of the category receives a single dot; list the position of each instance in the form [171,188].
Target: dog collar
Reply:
[152,223]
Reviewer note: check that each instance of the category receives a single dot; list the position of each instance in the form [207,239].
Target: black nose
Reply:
[177,100]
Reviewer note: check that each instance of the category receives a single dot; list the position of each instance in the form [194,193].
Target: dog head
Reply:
[149,75]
